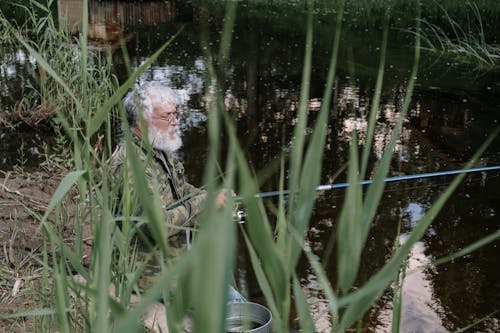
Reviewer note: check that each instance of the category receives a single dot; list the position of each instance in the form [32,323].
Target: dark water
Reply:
[453,110]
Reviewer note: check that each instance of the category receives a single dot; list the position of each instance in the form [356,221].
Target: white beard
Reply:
[162,140]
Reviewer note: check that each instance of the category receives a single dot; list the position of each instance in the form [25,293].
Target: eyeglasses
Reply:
[168,117]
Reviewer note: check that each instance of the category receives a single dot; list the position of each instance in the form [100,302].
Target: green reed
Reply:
[194,284]
[466,43]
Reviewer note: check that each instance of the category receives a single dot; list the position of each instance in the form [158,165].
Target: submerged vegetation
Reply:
[77,85]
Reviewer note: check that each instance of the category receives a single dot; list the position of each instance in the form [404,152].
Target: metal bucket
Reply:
[247,317]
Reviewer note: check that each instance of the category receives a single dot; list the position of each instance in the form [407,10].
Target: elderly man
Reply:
[156,104]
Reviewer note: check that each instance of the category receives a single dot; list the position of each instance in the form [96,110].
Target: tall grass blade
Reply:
[325,285]
[359,301]
[397,289]
[303,310]
[84,55]
[45,65]
[208,283]
[61,298]
[179,271]
[64,186]
[227,33]
[150,202]
[312,165]
[350,252]
[372,120]
[300,128]
[264,284]
[477,322]
[349,231]
[260,233]
[30,313]
[102,271]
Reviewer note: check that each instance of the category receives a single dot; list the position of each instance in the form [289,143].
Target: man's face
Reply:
[163,128]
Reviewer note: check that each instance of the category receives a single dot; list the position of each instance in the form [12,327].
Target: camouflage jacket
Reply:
[182,201]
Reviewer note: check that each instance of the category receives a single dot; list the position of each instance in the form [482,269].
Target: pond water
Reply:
[453,110]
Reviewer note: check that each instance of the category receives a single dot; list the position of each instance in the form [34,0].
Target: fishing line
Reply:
[328,187]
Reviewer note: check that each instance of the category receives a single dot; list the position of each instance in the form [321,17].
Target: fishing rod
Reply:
[386,180]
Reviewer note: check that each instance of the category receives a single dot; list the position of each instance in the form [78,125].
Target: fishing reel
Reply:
[239,214]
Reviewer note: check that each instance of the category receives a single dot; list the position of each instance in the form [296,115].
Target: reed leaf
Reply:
[209,282]
[299,133]
[101,270]
[303,310]
[45,65]
[349,241]
[264,284]
[312,165]
[149,202]
[30,313]
[353,237]
[61,298]
[64,186]
[359,301]
[325,285]
[261,235]
[128,323]
[227,33]
[375,106]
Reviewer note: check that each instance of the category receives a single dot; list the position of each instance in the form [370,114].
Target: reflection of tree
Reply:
[454,124]
[118,13]
[109,20]
[16,76]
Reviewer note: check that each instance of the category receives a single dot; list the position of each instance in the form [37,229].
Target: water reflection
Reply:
[111,21]
[421,310]
[16,68]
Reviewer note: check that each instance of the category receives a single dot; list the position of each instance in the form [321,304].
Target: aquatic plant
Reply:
[465,44]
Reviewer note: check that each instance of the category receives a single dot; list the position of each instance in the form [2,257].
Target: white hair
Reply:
[145,97]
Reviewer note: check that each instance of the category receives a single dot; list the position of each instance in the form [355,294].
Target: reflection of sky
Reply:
[350,100]
[18,57]
[416,212]
[420,311]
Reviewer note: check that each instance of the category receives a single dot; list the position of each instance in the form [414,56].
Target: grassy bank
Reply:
[83,94]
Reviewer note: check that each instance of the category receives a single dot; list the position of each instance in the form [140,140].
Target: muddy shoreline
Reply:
[24,198]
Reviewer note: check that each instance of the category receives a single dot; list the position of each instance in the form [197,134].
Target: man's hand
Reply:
[221,197]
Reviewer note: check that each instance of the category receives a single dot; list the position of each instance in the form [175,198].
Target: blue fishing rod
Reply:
[386,180]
